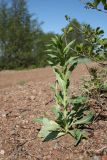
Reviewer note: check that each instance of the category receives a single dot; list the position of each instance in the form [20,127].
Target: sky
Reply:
[52,13]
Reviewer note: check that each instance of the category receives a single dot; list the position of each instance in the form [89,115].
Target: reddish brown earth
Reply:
[24,95]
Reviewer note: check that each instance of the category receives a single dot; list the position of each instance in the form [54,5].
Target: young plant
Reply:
[94,87]
[95,90]
[71,113]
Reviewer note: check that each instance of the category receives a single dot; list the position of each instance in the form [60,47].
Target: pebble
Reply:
[32,98]
[2,152]
[2,114]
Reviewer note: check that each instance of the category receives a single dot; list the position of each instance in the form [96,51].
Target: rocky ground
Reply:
[25,95]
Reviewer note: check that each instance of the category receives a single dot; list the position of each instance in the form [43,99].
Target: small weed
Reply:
[96,85]
[95,90]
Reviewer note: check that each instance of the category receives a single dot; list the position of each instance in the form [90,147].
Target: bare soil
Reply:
[25,95]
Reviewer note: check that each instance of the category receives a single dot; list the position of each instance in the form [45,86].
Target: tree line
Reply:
[22,40]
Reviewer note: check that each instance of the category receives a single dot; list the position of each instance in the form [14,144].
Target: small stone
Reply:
[33,91]
[2,152]
[25,121]
[3,115]
[56,146]
[32,97]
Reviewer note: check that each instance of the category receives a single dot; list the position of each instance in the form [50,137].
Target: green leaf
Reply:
[51,63]
[46,121]
[84,134]
[54,135]
[39,120]
[79,47]
[71,61]
[97,29]
[70,115]
[43,132]
[101,32]
[105,6]
[73,66]
[72,132]
[78,100]
[59,97]
[69,70]
[50,125]
[54,40]
[96,2]
[67,17]
[60,78]
[104,86]
[53,87]
[56,110]
[70,29]
[49,50]
[85,120]
[64,30]
[52,55]
[77,134]
[67,48]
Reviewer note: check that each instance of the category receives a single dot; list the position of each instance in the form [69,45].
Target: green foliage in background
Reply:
[91,43]
[94,4]
[22,41]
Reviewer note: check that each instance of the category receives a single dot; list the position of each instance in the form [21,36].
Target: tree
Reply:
[22,34]
[75,32]
[101,43]
[19,35]
[4,19]
[94,4]
[91,43]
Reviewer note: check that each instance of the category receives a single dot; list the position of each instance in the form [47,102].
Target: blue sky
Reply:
[52,13]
